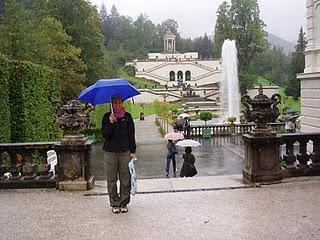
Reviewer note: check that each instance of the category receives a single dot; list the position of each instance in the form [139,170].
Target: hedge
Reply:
[32,91]
[5,131]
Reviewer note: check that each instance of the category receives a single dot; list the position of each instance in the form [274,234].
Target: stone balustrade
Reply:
[230,129]
[24,165]
[301,154]
[27,165]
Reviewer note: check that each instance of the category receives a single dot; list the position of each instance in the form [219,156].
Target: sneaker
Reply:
[115,210]
[167,174]
[124,209]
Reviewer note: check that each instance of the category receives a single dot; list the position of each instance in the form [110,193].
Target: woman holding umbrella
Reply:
[118,132]
[172,151]
[119,146]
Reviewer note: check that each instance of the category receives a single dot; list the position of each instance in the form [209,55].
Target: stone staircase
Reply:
[199,103]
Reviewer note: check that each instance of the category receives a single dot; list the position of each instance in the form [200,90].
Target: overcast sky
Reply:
[196,17]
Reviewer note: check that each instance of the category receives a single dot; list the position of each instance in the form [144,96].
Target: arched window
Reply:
[180,75]
[188,75]
[172,76]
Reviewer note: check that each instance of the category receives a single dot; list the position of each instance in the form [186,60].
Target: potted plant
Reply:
[206,116]
[231,119]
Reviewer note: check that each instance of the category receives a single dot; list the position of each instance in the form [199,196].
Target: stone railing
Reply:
[26,164]
[300,154]
[229,129]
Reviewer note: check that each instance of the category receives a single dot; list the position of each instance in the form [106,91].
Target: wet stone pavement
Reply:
[216,156]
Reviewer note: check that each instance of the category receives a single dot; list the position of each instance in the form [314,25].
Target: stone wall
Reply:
[310,79]
[310,102]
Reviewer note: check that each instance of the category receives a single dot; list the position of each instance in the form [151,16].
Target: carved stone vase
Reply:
[74,151]
[262,145]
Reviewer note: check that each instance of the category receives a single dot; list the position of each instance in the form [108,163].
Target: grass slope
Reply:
[286,101]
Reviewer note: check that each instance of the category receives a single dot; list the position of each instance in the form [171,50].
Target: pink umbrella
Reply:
[174,136]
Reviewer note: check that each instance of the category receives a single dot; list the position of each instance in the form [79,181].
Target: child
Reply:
[172,151]
[188,169]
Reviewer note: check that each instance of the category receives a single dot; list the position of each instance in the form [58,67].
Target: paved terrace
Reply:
[203,207]
[218,207]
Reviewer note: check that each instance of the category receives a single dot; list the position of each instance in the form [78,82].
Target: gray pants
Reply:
[117,168]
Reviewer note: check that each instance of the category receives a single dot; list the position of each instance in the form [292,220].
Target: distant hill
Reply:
[274,40]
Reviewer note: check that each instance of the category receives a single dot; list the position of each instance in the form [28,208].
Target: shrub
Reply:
[205,116]
[5,129]
[130,70]
[33,91]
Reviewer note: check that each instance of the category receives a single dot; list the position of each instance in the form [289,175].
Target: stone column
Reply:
[173,45]
[262,159]
[310,79]
[312,50]
[74,166]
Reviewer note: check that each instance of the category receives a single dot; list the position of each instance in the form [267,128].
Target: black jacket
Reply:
[119,136]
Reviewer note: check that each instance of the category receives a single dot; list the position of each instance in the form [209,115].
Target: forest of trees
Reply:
[82,44]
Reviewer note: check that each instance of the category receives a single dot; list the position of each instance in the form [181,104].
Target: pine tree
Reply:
[297,66]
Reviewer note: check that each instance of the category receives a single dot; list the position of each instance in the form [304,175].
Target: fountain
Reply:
[230,106]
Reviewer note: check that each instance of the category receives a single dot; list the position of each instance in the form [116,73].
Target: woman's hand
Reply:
[112,118]
[132,155]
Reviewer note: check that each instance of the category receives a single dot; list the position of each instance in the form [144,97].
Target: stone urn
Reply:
[262,145]
[72,117]
[261,110]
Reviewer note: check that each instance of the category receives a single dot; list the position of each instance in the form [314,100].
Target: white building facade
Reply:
[174,69]
[310,79]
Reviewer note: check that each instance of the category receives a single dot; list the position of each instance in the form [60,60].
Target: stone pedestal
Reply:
[74,166]
[262,159]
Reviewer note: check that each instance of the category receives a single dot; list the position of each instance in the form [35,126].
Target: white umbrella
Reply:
[188,143]
[184,115]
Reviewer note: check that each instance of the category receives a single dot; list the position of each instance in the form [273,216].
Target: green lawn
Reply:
[134,109]
[138,82]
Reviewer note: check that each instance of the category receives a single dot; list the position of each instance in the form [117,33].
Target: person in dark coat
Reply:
[188,169]
[171,156]
[119,147]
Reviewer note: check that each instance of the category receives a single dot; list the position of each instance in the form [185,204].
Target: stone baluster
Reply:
[303,156]
[3,167]
[315,155]
[16,168]
[44,167]
[29,169]
[289,156]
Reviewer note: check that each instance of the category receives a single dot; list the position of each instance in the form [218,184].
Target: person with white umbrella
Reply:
[188,169]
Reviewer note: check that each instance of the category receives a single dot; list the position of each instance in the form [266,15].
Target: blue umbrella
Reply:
[104,89]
